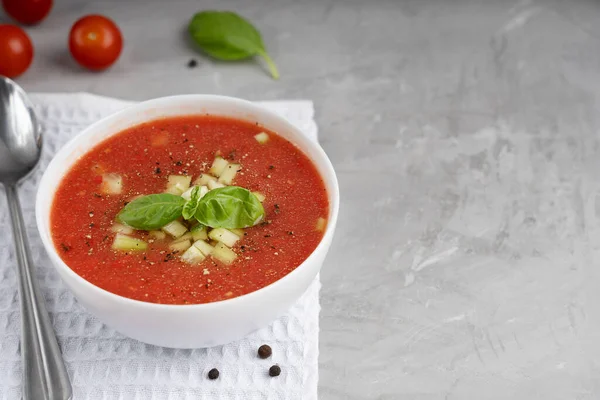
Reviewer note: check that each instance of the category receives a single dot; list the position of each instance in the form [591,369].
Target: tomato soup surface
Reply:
[144,156]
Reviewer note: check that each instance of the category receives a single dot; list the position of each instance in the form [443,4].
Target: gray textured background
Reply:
[465,137]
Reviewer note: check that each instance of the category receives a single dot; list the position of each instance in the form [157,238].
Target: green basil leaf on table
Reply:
[152,212]
[189,209]
[227,36]
[229,207]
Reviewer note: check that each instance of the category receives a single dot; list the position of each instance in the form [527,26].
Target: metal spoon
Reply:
[44,374]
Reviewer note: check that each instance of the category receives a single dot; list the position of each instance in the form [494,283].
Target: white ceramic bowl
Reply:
[186,326]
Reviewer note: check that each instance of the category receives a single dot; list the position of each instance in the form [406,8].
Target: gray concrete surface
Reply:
[465,135]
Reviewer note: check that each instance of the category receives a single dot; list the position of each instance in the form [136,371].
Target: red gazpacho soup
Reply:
[189,210]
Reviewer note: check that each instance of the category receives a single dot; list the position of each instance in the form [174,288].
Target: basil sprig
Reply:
[152,211]
[227,36]
[227,207]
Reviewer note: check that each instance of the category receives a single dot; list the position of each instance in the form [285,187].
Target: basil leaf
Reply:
[190,206]
[229,207]
[227,36]
[152,211]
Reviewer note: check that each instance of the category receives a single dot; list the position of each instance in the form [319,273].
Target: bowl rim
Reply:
[324,243]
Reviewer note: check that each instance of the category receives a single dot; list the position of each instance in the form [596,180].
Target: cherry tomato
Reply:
[95,42]
[27,11]
[16,51]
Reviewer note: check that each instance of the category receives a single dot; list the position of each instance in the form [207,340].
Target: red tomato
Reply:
[16,51]
[27,11]
[95,42]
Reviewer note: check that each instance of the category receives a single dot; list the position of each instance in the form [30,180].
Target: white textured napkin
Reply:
[104,364]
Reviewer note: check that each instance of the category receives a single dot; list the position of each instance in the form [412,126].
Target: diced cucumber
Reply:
[321,224]
[177,184]
[128,243]
[175,229]
[199,232]
[158,235]
[224,236]
[262,138]
[120,228]
[229,173]
[185,236]
[111,184]
[203,191]
[223,253]
[180,245]
[218,166]
[203,179]
[239,232]
[261,197]
[215,185]
[192,256]
[204,247]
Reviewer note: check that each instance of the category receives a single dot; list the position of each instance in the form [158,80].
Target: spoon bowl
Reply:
[20,134]
[44,373]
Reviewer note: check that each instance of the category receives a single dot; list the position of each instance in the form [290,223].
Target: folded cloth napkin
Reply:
[104,364]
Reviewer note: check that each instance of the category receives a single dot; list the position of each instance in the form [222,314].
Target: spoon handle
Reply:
[44,374]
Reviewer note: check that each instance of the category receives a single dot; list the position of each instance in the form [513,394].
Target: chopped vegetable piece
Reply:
[229,173]
[203,179]
[238,231]
[185,236]
[204,247]
[203,191]
[175,229]
[120,228]
[218,166]
[262,138]
[215,185]
[177,184]
[127,243]
[224,236]
[199,232]
[321,224]
[223,253]
[192,256]
[111,184]
[261,197]
[180,245]
[159,235]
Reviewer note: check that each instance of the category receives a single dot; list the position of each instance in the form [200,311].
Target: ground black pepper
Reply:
[157,170]
[192,63]
[264,351]
[213,374]
[274,370]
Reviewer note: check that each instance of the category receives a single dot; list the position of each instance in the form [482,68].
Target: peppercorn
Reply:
[213,374]
[274,370]
[264,351]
